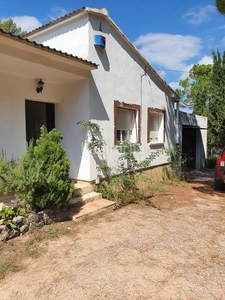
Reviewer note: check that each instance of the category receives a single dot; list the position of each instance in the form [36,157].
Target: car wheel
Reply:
[218,185]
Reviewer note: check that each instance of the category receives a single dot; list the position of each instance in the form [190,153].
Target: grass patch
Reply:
[32,253]
[49,233]
[6,267]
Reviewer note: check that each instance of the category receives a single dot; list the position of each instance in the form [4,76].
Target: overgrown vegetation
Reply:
[40,178]
[127,182]
[8,213]
[210,162]
[175,170]
[7,175]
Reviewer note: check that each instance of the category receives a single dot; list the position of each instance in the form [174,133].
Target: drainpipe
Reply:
[177,100]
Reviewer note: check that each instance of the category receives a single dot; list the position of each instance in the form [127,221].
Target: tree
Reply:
[205,88]
[220,4]
[196,88]
[10,26]
[216,116]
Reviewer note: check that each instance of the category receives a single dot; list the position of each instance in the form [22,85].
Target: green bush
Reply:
[43,173]
[175,170]
[7,175]
[8,213]
[210,162]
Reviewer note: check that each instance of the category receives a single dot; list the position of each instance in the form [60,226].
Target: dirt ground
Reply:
[173,251]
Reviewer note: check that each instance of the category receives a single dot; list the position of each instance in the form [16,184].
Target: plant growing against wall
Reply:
[176,164]
[95,144]
[43,173]
[121,183]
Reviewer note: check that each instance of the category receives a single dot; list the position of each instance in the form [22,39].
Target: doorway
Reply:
[189,146]
[38,114]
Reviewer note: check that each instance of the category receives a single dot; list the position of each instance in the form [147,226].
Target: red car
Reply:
[219,179]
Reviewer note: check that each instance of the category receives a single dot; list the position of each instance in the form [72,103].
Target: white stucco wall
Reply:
[72,109]
[121,76]
[70,37]
[71,105]
[14,91]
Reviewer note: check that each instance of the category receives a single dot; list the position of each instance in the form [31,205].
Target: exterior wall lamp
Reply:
[40,86]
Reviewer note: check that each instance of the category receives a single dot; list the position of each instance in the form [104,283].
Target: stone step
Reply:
[92,208]
[85,203]
[82,211]
[82,188]
[89,197]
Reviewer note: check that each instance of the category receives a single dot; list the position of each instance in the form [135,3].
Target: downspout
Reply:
[141,97]
[142,75]
[177,100]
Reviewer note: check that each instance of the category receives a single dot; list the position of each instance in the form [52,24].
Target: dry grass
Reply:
[14,252]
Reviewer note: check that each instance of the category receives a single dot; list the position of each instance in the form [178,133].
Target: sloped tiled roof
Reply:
[58,20]
[45,48]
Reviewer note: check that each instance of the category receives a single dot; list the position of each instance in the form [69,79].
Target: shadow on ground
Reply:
[204,180]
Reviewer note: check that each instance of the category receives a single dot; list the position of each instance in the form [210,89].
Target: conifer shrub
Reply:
[43,173]
[7,174]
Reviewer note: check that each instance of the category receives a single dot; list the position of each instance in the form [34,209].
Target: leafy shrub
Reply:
[210,162]
[7,175]
[176,167]
[43,173]
[8,213]
[128,184]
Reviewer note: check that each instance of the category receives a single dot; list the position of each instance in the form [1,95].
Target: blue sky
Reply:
[171,34]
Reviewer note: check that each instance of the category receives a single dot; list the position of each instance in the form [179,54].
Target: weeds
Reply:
[8,213]
[49,233]
[6,267]
[31,253]
[125,183]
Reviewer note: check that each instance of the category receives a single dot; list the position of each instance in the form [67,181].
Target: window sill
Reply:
[156,144]
[135,147]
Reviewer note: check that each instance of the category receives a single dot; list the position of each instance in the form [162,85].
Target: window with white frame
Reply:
[155,125]
[127,124]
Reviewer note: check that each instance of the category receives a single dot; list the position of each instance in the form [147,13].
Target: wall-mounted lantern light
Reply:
[40,86]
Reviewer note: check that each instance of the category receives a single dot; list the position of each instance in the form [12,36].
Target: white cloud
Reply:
[167,50]
[26,23]
[174,85]
[162,73]
[206,60]
[200,15]
[221,27]
[57,12]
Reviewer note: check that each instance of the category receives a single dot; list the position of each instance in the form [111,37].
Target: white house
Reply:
[91,71]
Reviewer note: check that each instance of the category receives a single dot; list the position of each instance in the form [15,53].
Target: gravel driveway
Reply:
[173,251]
